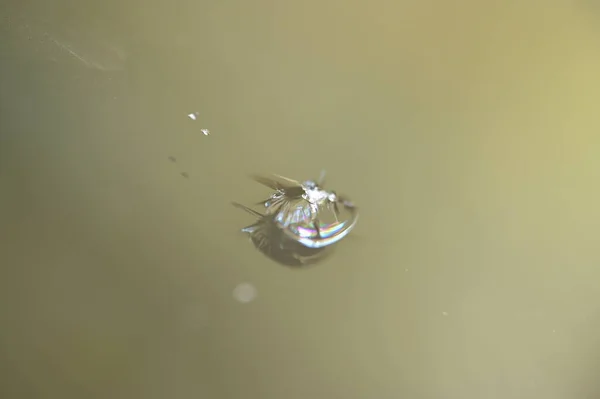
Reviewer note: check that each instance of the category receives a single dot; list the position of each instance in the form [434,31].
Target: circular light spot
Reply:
[244,292]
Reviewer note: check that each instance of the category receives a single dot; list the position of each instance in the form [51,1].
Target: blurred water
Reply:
[465,132]
[44,39]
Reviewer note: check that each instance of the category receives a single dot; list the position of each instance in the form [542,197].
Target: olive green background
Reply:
[467,132]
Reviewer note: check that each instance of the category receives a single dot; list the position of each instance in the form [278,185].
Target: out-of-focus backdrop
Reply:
[466,131]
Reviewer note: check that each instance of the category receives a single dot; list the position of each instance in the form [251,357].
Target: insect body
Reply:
[272,242]
[306,212]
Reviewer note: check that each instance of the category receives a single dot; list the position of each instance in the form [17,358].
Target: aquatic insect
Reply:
[306,212]
[272,242]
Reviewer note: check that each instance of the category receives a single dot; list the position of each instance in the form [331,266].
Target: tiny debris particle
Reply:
[205,131]
[172,159]
[244,292]
[185,174]
[193,116]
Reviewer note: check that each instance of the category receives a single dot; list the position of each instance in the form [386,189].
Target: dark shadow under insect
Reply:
[272,242]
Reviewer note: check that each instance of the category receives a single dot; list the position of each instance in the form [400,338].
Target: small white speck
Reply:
[193,116]
[205,131]
[444,313]
[405,270]
[244,292]
[553,331]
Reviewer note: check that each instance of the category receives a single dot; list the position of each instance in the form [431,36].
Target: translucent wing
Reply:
[277,182]
[289,211]
[285,189]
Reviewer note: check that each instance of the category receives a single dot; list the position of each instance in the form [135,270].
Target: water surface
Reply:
[466,133]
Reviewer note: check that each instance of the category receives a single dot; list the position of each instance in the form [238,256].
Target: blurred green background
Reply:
[467,133]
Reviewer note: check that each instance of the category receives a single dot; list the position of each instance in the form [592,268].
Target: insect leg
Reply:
[317,224]
[347,203]
[336,211]
[250,211]
[321,180]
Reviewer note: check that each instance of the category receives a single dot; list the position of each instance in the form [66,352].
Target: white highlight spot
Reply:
[444,313]
[194,116]
[244,292]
